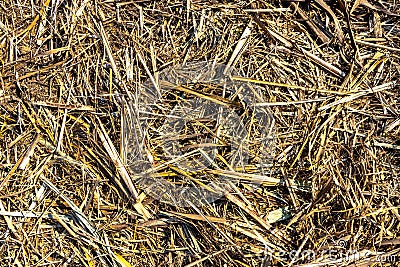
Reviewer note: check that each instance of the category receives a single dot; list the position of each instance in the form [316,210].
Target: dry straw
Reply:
[70,78]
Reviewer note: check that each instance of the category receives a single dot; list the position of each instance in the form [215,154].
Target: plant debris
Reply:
[79,175]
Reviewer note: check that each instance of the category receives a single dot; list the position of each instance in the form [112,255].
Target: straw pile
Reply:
[71,74]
